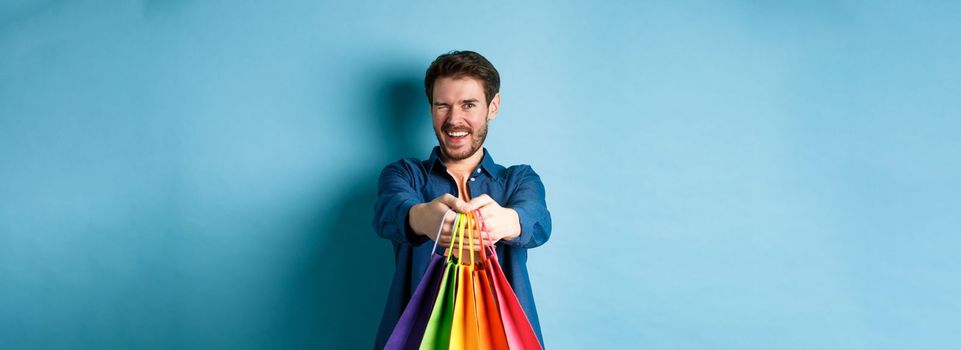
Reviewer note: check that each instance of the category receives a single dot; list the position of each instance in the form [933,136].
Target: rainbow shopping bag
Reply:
[437,334]
[520,334]
[464,303]
[491,331]
[409,330]
[437,331]
[464,330]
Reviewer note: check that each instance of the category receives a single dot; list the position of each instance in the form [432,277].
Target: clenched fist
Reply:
[425,219]
[498,222]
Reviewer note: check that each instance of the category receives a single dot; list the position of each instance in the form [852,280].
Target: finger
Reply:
[447,201]
[454,203]
[476,247]
[486,214]
[450,240]
[489,237]
[466,242]
[489,234]
[444,198]
[487,223]
[460,206]
[478,219]
[473,225]
[479,201]
[490,215]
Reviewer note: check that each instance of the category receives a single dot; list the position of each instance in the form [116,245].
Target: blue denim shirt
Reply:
[411,181]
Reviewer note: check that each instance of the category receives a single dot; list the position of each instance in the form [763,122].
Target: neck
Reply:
[464,166]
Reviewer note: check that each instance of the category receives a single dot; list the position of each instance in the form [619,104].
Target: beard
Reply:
[476,140]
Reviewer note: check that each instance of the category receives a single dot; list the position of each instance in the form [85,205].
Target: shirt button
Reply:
[478,170]
[472,179]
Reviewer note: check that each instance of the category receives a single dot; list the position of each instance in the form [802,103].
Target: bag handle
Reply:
[476,218]
[470,237]
[483,228]
[441,228]
[458,222]
[471,222]
[464,225]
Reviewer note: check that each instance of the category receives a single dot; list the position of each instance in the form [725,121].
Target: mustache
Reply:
[451,128]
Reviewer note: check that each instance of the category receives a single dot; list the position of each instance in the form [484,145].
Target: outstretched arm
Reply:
[401,214]
[524,221]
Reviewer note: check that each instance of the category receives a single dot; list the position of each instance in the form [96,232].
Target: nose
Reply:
[455,116]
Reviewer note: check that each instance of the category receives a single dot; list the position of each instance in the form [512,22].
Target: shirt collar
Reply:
[486,165]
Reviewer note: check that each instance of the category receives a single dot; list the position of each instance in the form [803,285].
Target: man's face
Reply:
[460,115]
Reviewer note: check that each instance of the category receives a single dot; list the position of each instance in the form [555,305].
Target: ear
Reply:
[494,107]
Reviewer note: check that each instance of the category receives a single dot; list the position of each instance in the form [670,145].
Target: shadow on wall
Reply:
[336,296]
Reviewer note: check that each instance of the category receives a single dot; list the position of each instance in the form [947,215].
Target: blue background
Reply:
[722,175]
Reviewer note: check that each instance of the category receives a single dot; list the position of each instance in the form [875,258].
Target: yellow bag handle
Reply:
[470,236]
[463,222]
[453,237]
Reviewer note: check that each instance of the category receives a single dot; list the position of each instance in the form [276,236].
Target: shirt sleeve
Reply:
[395,195]
[531,207]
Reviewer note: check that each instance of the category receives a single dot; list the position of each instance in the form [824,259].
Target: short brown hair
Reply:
[456,64]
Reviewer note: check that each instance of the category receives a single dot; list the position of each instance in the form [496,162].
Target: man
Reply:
[460,175]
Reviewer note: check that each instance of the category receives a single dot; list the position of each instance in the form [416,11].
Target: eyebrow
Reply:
[471,100]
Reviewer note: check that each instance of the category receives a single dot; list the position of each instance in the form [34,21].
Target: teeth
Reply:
[457,134]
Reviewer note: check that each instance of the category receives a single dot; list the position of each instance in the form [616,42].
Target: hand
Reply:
[499,222]
[425,219]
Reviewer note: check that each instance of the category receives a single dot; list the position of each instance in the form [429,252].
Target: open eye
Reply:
[469,106]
